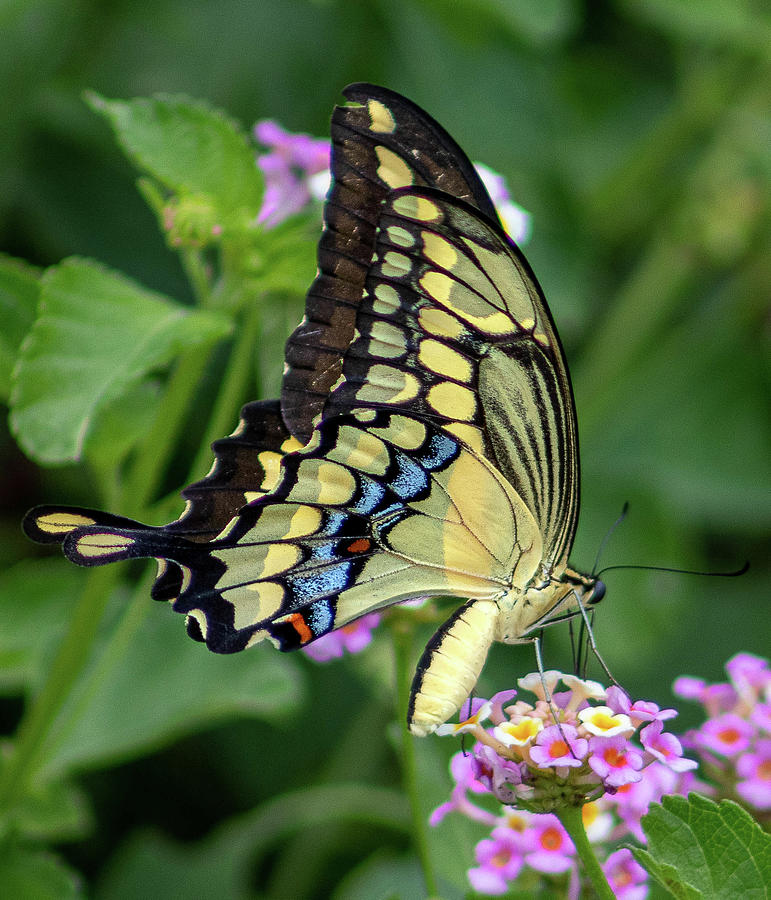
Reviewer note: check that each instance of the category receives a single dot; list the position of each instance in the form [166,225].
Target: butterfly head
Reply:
[586,589]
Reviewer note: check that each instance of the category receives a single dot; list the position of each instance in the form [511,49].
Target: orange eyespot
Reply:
[360,545]
[301,627]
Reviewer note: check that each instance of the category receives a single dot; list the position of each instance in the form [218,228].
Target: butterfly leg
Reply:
[585,624]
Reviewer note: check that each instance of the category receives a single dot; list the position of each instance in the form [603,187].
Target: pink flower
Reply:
[501,776]
[352,637]
[626,876]
[747,670]
[559,747]
[755,771]
[727,734]
[640,710]
[500,861]
[546,845]
[289,170]
[665,747]
[615,761]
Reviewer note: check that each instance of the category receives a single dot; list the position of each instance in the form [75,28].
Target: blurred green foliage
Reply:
[637,135]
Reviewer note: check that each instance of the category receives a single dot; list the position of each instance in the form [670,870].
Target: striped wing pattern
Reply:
[451,313]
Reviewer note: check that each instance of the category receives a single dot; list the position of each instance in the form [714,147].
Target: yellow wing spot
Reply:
[290,445]
[438,322]
[251,496]
[314,441]
[419,208]
[527,324]
[469,434]
[437,285]
[439,250]
[259,601]
[453,401]
[62,522]
[279,558]
[403,432]
[393,170]
[541,338]
[95,545]
[456,298]
[386,300]
[361,450]
[257,638]
[323,482]
[336,385]
[388,385]
[305,520]
[387,341]
[400,236]
[271,462]
[395,265]
[443,360]
[200,617]
[381,121]
[187,577]
[365,415]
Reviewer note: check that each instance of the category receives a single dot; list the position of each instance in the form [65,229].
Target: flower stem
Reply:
[402,643]
[572,822]
[69,661]
[235,383]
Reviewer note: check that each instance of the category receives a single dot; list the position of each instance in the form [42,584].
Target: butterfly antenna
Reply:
[608,535]
[735,574]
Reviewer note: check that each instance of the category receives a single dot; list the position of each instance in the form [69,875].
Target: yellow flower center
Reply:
[558,749]
[604,721]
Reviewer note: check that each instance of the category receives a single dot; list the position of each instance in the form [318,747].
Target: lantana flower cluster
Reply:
[586,745]
[734,743]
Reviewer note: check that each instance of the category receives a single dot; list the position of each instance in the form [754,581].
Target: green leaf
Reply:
[31,874]
[150,684]
[19,293]
[36,599]
[97,334]
[701,849]
[189,148]
[119,425]
[54,811]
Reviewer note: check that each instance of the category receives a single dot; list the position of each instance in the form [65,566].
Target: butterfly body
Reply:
[436,454]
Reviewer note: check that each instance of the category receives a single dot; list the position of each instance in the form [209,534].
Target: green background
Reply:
[636,134]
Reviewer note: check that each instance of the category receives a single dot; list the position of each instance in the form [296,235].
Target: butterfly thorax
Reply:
[545,601]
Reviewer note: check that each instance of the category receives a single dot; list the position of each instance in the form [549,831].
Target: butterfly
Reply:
[425,443]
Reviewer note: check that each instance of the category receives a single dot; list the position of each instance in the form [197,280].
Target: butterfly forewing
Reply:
[379,143]
[453,329]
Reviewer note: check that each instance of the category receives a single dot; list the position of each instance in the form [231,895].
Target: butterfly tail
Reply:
[90,537]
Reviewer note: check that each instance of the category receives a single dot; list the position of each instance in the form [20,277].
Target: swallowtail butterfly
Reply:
[425,442]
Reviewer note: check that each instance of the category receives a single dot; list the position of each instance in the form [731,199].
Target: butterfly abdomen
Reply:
[451,664]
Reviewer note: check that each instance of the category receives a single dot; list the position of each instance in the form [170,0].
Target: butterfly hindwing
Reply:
[374,510]
[246,466]
[379,143]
